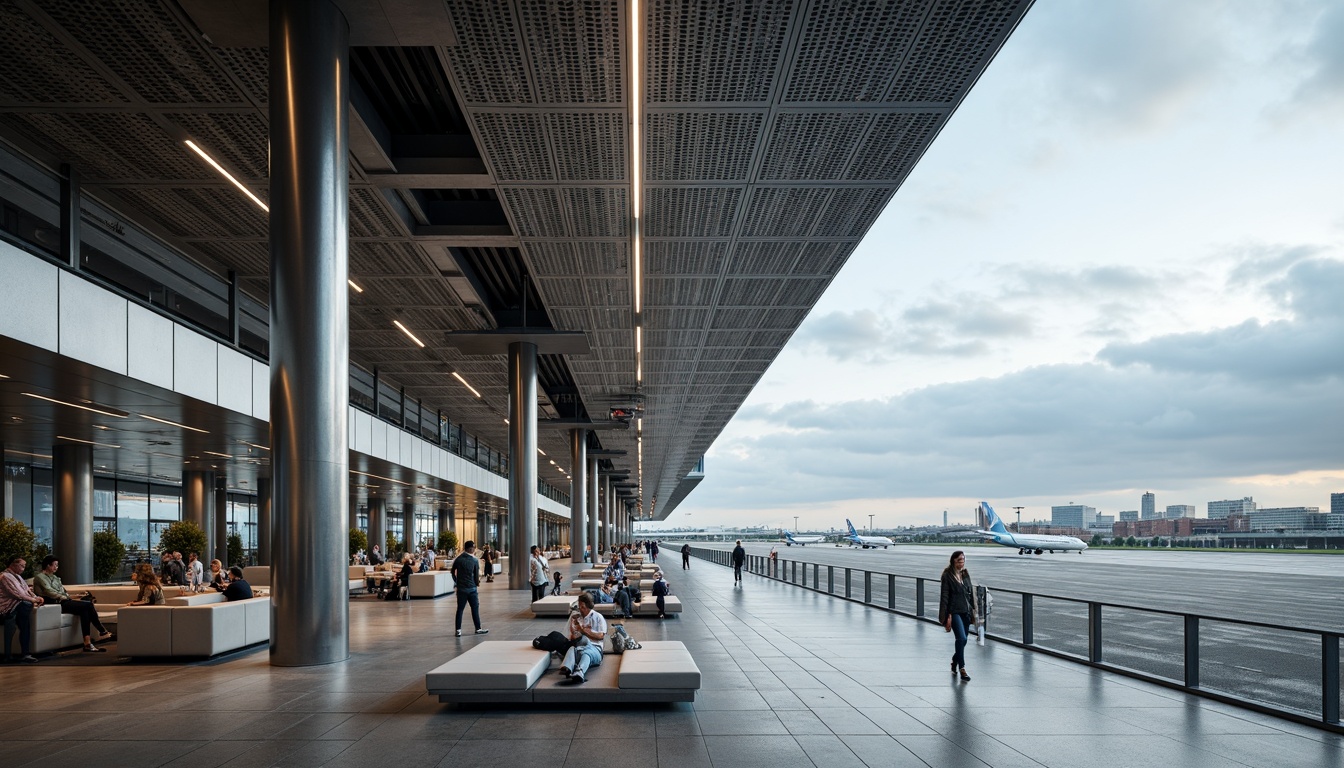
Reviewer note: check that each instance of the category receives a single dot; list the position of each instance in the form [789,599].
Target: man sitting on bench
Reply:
[586,630]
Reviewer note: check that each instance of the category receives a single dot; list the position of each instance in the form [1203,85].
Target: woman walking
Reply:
[956,607]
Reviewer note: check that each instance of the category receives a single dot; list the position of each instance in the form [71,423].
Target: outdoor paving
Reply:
[791,678]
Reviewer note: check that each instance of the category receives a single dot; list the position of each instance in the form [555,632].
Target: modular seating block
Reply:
[196,625]
[554,605]
[671,604]
[206,630]
[432,584]
[511,672]
[358,575]
[145,630]
[257,575]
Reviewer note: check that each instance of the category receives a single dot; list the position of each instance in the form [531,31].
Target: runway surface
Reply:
[1281,667]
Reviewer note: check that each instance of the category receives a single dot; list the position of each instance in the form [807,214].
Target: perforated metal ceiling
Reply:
[775,133]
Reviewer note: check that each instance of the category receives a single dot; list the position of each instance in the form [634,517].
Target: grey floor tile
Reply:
[1112,751]
[829,752]
[587,753]
[756,751]
[211,755]
[686,752]
[803,723]
[882,752]
[523,725]
[529,752]
[750,722]
[616,725]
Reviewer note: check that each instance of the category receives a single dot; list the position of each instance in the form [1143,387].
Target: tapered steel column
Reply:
[72,476]
[592,507]
[310,331]
[221,521]
[198,506]
[377,525]
[264,521]
[522,459]
[578,494]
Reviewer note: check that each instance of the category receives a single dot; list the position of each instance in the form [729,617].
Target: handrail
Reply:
[787,571]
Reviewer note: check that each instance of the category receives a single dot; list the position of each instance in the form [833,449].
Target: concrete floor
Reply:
[791,678]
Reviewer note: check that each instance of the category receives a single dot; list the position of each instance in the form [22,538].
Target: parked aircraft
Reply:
[866,542]
[790,539]
[1026,542]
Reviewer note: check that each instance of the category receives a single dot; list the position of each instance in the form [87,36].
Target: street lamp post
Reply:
[1019,518]
[870,523]
[795,524]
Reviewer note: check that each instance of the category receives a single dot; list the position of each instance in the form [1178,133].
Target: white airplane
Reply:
[1026,542]
[790,539]
[866,542]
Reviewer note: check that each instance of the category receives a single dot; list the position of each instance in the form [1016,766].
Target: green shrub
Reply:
[16,539]
[358,541]
[392,544]
[186,537]
[235,549]
[108,552]
[447,541]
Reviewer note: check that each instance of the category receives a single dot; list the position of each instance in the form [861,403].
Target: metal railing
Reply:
[1075,629]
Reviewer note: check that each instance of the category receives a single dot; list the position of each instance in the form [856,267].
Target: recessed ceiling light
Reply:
[173,423]
[458,376]
[106,410]
[26,453]
[220,455]
[254,445]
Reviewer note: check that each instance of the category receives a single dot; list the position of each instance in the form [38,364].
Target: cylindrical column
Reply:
[264,521]
[593,520]
[408,542]
[221,521]
[198,506]
[72,476]
[578,494]
[445,524]
[309,330]
[522,459]
[377,525]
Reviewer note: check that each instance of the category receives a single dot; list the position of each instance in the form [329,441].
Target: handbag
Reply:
[88,598]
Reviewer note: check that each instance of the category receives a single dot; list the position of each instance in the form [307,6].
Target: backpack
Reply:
[555,642]
[622,642]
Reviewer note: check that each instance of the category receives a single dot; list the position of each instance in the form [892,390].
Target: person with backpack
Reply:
[661,589]
[685,557]
[739,559]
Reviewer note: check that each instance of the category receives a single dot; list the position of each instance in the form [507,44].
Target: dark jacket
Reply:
[739,556]
[956,596]
[238,590]
[464,570]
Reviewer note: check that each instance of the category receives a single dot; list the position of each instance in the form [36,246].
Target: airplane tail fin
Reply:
[852,532]
[992,521]
[788,534]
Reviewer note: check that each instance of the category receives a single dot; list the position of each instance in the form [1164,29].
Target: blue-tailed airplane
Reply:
[1025,542]
[790,538]
[866,542]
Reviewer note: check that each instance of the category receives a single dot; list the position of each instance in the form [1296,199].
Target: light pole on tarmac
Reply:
[795,523]
[870,523]
[1019,518]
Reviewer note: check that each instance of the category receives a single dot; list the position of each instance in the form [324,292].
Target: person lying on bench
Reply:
[586,630]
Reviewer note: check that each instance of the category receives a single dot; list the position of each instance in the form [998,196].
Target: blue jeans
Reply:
[577,660]
[960,622]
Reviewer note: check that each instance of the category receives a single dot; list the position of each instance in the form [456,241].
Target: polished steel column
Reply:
[522,459]
[72,539]
[309,331]
[578,493]
[377,525]
[221,521]
[264,521]
[198,506]
[606,513]
[593,518]
[445,524]
[408,541]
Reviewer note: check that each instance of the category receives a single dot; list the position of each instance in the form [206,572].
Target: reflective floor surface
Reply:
[791,678]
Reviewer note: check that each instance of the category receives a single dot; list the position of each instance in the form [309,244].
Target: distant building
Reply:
[1149,506]
[1337,503]
[1146,529]
[1244,506]
[1073,516]
[1103,523]
[1289,519]
[1129,514]
[1180,510]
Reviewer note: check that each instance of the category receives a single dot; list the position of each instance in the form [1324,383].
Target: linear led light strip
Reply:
[353,285]
[173,423]
[86,442]
[380,477]
[458,376]
[406,331]
[636,209]
[115,414]
[207,158]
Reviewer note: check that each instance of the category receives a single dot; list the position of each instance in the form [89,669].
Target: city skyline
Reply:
[1076,295]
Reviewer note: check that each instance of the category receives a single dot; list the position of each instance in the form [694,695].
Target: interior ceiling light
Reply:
[380,477]
[3,376]
[253,445]
[106,410]
[406,331]
[172,423]
[87,442]
[220,455]
[207,158]
[26,453]
[353,285]
[458,376]
[543,453]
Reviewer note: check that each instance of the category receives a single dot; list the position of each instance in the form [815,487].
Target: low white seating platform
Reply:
[510,671]
[561,605]
[197,625]
[432,584]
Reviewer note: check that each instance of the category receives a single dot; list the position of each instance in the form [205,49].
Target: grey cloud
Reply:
[1258,262]
[1178,410]
[1324,56]
[1087,282]
[959,328]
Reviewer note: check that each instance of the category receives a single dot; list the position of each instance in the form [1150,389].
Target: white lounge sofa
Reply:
[197,625]
[432,584]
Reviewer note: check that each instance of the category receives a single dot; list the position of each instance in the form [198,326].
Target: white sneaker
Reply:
[459,633]
[482,631]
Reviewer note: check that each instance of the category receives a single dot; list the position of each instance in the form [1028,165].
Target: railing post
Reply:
[848,588]
[1330,678]
[830,579]
[867,586]
[1094,632]
[1028,620]
[891,591]
[793,568]
[1191,651]
[919,597]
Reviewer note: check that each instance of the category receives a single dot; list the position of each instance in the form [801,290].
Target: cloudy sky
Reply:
[1120,268]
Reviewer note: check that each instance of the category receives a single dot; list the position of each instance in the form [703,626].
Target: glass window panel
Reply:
[30,213]
[361,388]
[165,504]
[19,492]
[43,505]
[133,516]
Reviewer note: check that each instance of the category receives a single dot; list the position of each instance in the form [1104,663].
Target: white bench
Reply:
[432,584]
[561,605]
[510,671]
[194,629]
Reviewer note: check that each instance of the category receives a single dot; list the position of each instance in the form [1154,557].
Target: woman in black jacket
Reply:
[956,607]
